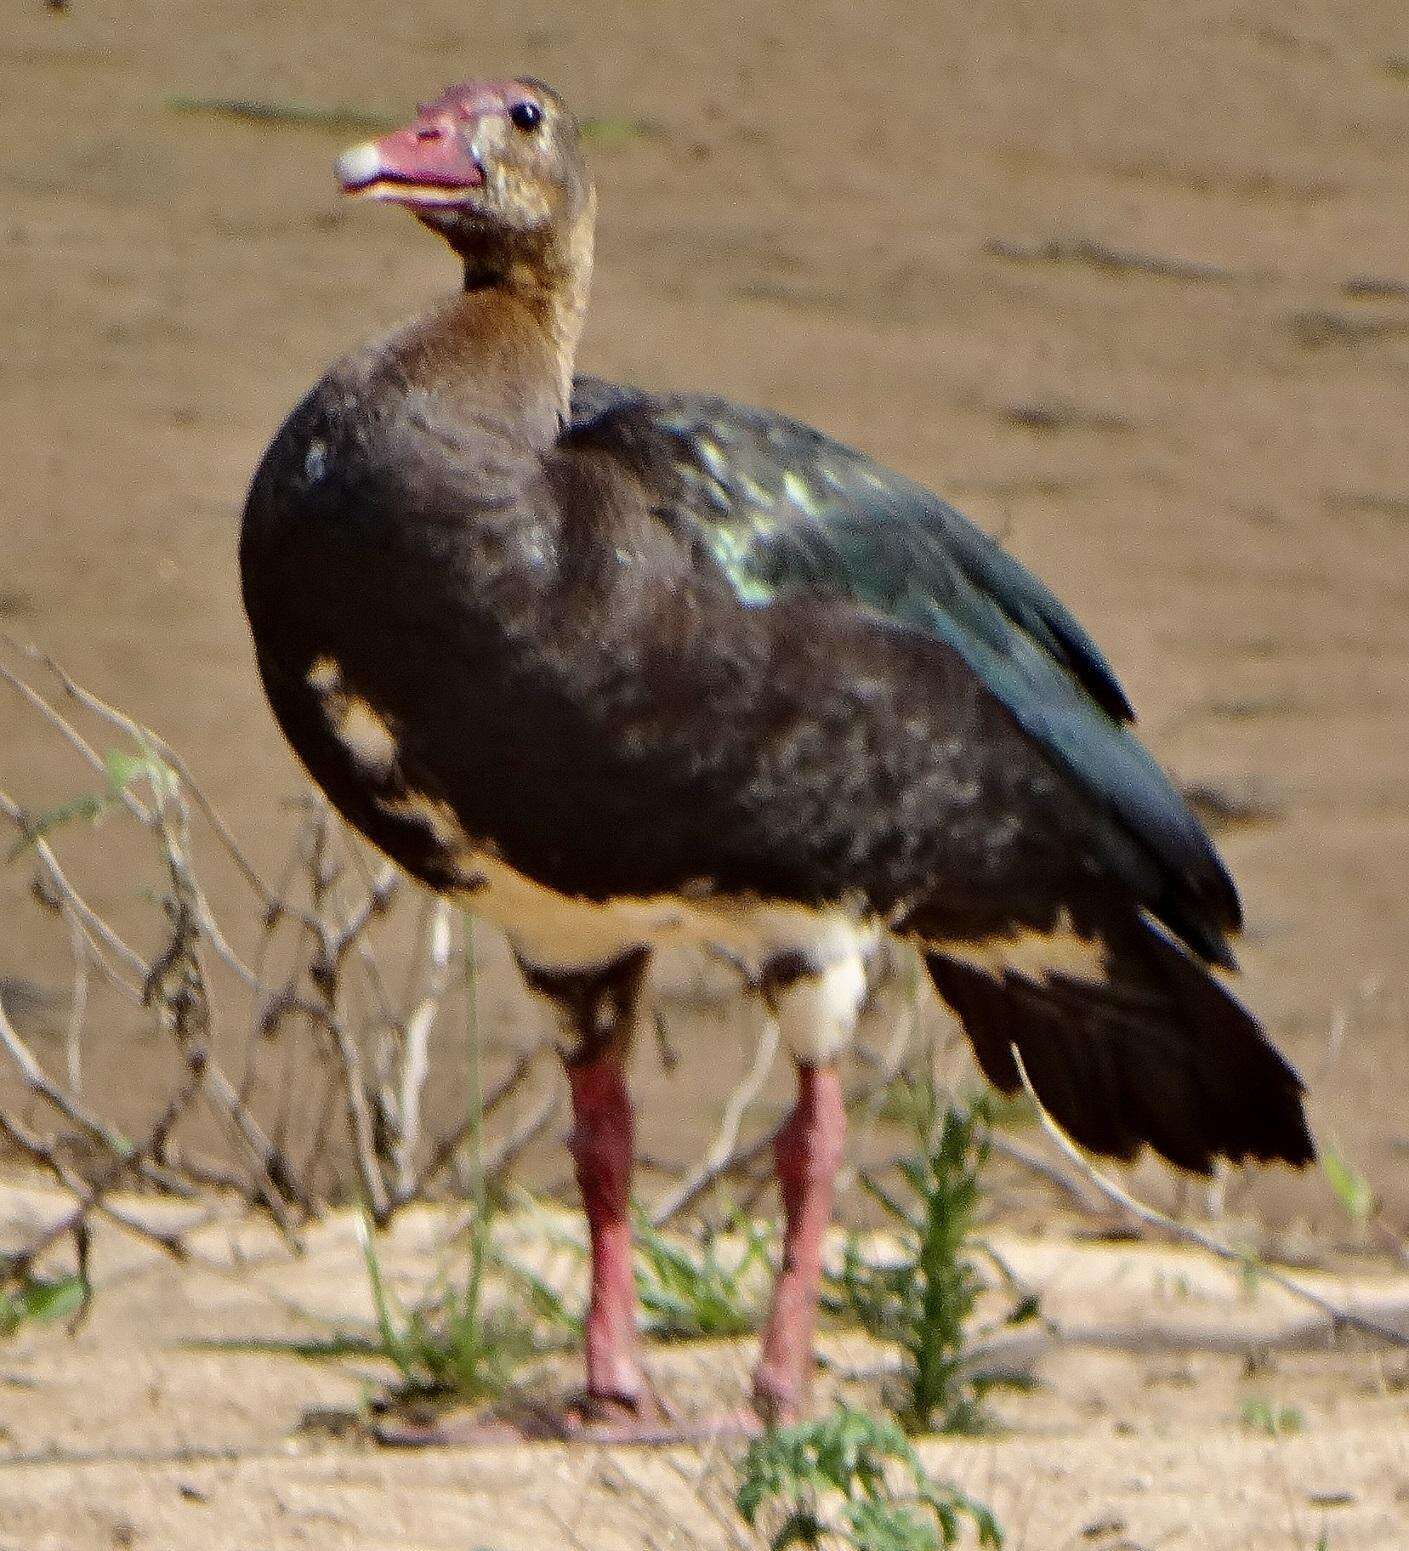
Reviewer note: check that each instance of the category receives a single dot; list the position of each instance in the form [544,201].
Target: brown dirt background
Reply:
[1212,470]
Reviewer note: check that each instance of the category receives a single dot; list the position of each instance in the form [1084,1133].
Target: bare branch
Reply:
[75,740]
[46,1155]
[446,1151]
[415,1051]
[1005,1147]
[74,907]
[90,1196]
[1147,1217]
[38,1081]
[725,1153]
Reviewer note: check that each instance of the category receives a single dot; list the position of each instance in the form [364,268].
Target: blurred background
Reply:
[1126,282]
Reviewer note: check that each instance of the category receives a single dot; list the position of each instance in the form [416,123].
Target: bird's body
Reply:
[618,669]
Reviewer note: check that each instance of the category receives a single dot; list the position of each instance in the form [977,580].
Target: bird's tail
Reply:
[1133,1042]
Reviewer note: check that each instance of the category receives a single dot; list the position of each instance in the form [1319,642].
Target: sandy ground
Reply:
[1127,282]
[164,1423]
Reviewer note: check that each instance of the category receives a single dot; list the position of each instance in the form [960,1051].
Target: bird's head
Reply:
[494,166]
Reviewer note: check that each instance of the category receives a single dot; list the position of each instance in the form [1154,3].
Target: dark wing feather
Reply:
[782,510]
[797,508]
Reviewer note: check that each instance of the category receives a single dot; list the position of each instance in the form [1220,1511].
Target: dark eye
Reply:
[526,116]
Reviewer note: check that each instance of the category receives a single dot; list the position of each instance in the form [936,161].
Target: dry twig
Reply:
[1339,1317]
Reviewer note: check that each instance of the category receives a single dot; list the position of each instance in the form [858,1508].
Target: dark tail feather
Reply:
[1158,1052]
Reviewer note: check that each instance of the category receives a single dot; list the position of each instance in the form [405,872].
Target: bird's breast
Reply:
[354,751]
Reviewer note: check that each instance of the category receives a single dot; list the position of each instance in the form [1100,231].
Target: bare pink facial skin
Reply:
[434,159]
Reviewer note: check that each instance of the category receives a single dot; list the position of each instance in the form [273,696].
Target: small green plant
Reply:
[555,1316]
[1009,1111]
[921,1299]
[38,1300]
[452,1343]
[689,1292]
[1250,1276]
[120,771]
[853,1480]
[1266,1416]
[1352,1189]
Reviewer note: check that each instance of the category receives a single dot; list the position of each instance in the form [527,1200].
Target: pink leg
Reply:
[602,1139]
[809,1149]
[620,1406]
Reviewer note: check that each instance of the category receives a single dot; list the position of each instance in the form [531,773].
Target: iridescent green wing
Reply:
[784,511]
[782,508]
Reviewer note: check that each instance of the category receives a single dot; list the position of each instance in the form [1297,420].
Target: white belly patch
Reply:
[558,931]
[816,1012]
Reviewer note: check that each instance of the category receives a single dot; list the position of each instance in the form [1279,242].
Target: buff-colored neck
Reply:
[510,336]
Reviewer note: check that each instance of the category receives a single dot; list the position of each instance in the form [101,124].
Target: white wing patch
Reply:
[365,735]
[324,675]
[356,723]
[435,816]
